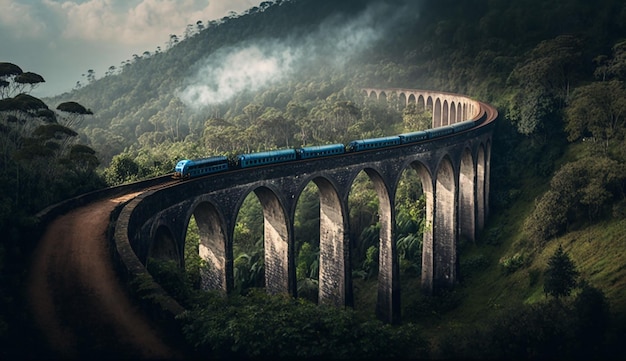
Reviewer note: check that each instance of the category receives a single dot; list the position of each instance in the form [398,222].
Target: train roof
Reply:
[210,159]
[270,153]
[380,139]
[417,132]
[323,147]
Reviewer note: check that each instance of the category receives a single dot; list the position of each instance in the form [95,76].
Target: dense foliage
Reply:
[552,330]
[556,71]
[42,161]
[286,328]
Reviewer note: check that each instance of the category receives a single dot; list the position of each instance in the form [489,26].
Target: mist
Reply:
[251,66]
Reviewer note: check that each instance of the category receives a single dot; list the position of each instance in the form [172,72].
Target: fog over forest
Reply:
[253,65]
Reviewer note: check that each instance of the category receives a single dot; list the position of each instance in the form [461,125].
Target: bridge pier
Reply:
[334,278]
[445,227]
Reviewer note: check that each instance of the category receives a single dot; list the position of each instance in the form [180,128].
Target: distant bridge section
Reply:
[446,108]
[453,170]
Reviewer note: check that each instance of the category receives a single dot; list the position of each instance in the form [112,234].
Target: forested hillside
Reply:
[290,73]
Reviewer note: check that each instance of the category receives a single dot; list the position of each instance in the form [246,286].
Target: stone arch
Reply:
[411,99]
[445,115]
[388,301]
[421,103]
[213,245]
[427,240]
[277,240]
[402,101]
[334,281]
[453,114]
[437,121]
[414,173]
[445,226]
[430,106]
[163,245]
[467,198]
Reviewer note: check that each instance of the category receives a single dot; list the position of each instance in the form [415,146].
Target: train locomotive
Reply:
[189,168]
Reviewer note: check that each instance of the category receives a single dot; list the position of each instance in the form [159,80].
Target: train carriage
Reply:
[272,156]
[364,144]
[439,132]
[413,136]
[461,126]
[321,150]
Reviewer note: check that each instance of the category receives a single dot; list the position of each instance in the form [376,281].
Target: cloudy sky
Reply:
[62,39]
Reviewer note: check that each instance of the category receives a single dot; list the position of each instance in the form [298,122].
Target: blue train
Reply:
[186,168]
[321,151]
[272,156]
[365,144]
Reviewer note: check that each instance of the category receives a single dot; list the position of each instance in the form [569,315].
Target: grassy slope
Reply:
[597,250]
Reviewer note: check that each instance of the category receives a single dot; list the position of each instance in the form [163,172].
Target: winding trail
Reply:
[76,298]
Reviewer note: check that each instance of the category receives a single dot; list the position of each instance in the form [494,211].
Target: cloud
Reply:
[21,21]
[234,70]
[251,66]
[61,39]
[132,22]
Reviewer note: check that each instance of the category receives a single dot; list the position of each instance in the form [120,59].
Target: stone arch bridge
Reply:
[454,171]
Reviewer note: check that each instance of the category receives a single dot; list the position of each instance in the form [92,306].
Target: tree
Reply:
[74,113]
[173,41]
[542,83]
[110,71]
[597,110]
[13,80]
[561,274]
[122,169]
[548,219]
[413,119]
[617,64]
[91,76]
[588,186]
[275,128]
[199,26]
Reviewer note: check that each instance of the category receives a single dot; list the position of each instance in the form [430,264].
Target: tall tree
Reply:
[561,274]
[542,83]
[73,114]
[597,110]
[14,81]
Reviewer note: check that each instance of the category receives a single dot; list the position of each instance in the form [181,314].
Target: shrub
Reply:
[512,263]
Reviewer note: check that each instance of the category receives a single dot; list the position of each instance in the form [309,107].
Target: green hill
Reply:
[288,73]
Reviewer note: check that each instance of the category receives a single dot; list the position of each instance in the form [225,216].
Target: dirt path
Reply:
[75,296]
